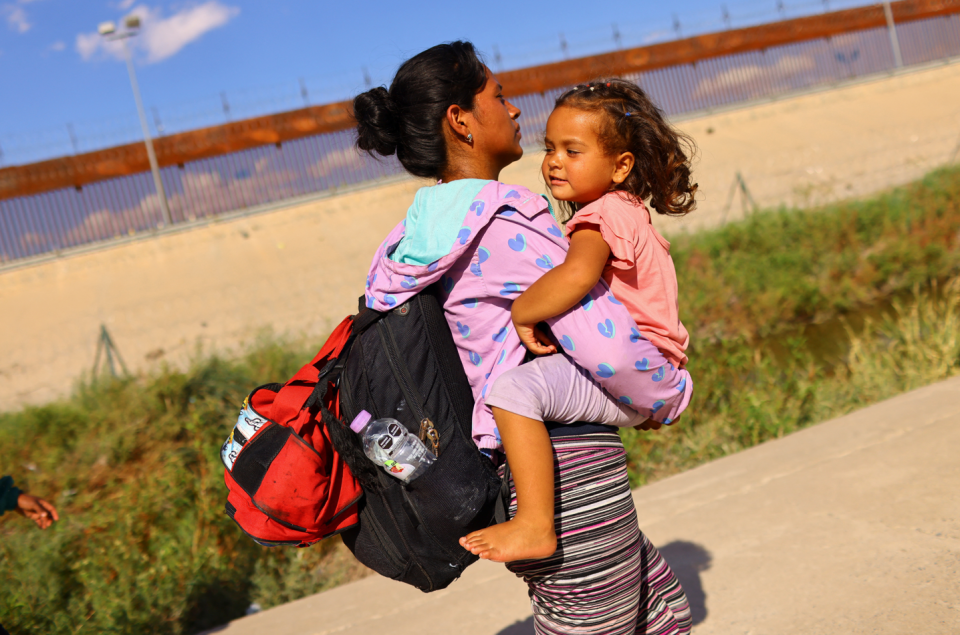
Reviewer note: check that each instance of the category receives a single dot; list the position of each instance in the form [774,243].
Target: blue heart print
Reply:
[464,329]
[470,303]
[447,283]
[482,254]
[511,194]
[626,400]
[509,288]
[556,231]
[483,393]
[433,266]
[657,405]
[658,375]
[503,356]
[518,244]
[500,335]
[368,282]
[369,301]
[667,421]
[607,328]
[477,206]
[635,337]
[508,212]
[475,359]
[682,384]
[409,282]
[613,299]
[463,235]
[586,302]
[389,300]
[643,364]
[567,342]
[544,262]
[605,370]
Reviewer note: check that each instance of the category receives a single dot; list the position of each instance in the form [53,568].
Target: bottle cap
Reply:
[358,424]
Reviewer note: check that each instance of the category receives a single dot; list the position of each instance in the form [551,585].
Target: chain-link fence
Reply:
[62,219]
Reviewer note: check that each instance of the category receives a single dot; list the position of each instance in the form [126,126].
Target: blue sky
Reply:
[62,87]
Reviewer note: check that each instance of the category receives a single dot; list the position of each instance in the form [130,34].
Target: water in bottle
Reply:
[387,443]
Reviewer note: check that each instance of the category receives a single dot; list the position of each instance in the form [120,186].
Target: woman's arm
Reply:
[560,288]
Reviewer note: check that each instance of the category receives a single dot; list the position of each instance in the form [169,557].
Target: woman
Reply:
[485,242]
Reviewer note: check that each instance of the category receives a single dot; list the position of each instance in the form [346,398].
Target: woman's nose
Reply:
[513,110]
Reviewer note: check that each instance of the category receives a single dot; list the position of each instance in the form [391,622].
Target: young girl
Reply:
[608,147]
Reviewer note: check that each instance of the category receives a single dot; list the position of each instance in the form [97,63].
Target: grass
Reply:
[779,269]
[144,546]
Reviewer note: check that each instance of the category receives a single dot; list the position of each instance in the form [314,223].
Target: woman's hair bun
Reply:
[378,127]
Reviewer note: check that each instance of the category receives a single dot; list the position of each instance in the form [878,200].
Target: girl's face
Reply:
[496,131]
[575,166]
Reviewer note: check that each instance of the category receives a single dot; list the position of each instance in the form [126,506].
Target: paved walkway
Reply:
[851,526]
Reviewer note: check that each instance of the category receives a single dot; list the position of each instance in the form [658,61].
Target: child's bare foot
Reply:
[513,540]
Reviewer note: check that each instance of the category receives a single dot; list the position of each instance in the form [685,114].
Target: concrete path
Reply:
[851,526]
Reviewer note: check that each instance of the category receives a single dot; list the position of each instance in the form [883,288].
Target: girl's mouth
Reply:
[555,181]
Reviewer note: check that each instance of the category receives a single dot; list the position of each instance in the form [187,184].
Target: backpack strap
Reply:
[334,364]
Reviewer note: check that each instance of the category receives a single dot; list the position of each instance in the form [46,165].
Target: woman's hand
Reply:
[534,339]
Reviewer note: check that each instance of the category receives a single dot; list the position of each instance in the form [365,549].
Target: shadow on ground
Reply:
[519,628]
[688,559]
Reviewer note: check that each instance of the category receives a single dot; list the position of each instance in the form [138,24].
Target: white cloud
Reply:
[58,46]
[123,5]
[161,37]
[16,18]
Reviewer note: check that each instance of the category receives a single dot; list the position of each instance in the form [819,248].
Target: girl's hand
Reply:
[534,339]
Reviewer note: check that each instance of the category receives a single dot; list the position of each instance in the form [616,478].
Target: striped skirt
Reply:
[605,577]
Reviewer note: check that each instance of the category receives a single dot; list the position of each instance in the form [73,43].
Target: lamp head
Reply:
[132,22]
[107,28]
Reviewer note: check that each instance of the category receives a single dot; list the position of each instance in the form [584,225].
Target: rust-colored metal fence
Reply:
[72,201]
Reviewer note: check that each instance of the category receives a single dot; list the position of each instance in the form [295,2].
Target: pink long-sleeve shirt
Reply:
[508,240]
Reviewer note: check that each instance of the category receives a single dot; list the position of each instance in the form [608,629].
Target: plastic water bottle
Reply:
[387,443]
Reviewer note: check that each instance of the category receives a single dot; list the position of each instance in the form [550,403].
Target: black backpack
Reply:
[405,365]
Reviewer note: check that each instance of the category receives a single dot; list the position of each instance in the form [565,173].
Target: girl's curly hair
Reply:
[631,122]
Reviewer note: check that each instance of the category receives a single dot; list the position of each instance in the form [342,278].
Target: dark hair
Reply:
[633,123]
[408,118]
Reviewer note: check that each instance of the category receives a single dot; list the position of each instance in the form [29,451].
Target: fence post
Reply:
[892,30]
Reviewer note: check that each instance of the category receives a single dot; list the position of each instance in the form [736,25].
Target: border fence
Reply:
[63,203]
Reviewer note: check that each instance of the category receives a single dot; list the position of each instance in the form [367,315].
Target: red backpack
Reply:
[287,484]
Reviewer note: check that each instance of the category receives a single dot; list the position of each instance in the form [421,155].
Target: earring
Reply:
[469,138]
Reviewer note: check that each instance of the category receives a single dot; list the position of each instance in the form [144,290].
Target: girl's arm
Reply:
[560,288]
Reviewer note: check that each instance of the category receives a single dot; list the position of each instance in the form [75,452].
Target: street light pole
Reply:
[108,30]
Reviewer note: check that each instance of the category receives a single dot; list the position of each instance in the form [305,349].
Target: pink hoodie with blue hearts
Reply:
[508,240]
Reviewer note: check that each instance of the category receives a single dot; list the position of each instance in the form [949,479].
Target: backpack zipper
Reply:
[428,431]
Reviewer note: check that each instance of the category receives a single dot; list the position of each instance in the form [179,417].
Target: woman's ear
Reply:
[459,120]
[622,167]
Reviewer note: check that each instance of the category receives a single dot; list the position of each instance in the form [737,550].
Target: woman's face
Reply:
[497,131]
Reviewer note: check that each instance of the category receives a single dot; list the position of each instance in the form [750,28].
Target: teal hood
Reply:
[434,220]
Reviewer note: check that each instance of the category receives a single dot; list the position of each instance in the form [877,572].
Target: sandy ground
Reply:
[850,526]
[298,270]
